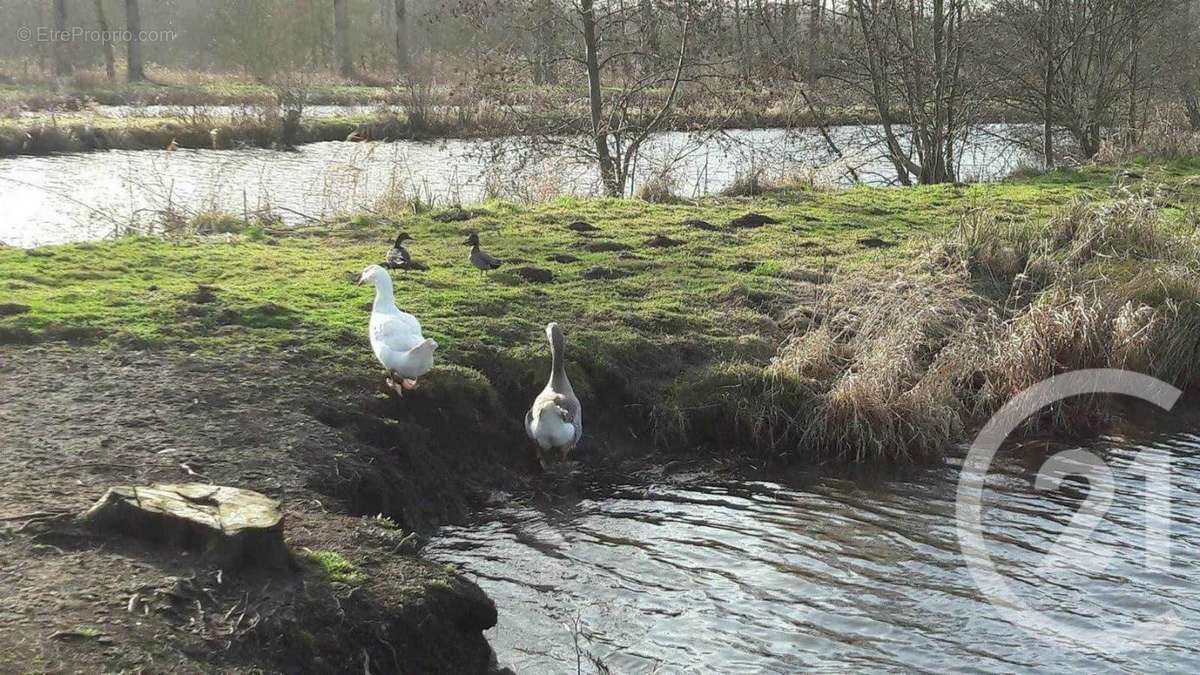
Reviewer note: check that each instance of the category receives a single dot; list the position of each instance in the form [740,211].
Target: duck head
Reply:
[401,238]
[374,275]
[472,239]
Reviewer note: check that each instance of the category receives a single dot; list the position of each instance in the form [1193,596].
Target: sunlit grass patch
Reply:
[336,567]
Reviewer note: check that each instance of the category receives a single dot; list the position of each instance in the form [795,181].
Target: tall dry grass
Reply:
[898,370]
[1166,135]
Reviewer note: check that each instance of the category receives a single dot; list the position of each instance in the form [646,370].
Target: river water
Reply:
[821,573]
[71,197]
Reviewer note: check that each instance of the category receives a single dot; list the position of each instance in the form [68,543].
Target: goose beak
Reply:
[360,281]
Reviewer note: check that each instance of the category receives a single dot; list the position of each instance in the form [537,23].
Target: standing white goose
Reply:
[555,422]
[395,335]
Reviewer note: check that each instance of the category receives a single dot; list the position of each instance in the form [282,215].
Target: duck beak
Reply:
[360,281]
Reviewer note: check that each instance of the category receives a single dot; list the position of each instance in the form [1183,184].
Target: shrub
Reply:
[749,182]
[900,369]
[659,188]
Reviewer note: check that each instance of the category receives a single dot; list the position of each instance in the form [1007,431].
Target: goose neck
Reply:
[558,364]
[384,296]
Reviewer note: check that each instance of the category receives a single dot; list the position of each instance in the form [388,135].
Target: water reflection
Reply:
[826,572]
[86,196]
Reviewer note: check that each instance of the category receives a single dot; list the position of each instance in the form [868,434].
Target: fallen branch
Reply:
[36,515]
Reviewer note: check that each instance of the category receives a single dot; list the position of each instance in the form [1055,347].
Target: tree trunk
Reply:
[543,68]
[1048,87]
[402,57]
[228,527]
[608,174]
[1134,49]
[649,30]
[814,37]
[134,71]
[110,61]
[743,38]
[63,48]
[1191,105]
[387,14]
[341,38]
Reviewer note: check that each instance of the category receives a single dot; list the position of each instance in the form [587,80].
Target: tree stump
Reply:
[230,527]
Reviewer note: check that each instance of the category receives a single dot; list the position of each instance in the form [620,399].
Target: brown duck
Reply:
[481,259]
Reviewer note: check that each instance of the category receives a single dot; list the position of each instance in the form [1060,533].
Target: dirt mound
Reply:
[700,224]
[875,242]
[752,220]
[602,246]
[534,275]
[663,241]
[600,272]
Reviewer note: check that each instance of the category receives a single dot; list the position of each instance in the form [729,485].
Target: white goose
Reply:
[395,335]
[555,422]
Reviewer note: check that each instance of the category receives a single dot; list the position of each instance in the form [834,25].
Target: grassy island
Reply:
[799,323]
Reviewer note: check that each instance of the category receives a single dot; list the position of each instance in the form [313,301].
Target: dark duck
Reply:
[481,259]
[398,258]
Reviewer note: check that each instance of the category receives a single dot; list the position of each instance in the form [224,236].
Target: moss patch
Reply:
[336,567]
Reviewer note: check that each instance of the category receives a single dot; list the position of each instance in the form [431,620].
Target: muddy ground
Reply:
[76,420]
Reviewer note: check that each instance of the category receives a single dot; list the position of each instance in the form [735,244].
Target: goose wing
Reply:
[485,260]
[573,413]
[397,331]
[398,257]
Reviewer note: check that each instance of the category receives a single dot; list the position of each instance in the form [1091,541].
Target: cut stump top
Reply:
[233,526]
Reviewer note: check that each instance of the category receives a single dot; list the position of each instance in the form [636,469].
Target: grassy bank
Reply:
[840,325]
[179,88]
[76,132]
[83,131]
[65,118]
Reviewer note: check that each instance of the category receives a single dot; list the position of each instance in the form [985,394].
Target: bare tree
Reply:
[1188,74]
[110,61]
[403,59]
[907,59]
[63,49]
[542,60]
[134,70]
[341,38]
[1027,57]
[620,127]
[648,26]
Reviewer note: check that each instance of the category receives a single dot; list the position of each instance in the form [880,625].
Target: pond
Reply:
[831,573]
[71,197]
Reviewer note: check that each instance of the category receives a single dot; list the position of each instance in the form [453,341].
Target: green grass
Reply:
[719,297]
[336,567]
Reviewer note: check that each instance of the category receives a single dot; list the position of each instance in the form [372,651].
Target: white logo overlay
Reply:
[1072,549]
